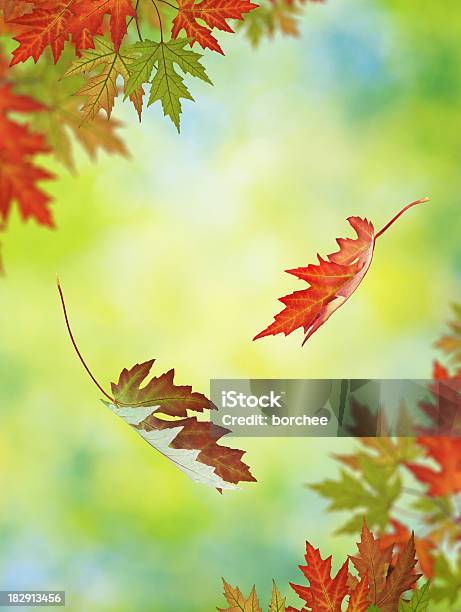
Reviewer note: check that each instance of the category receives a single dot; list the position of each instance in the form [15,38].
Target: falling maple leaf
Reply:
[188,443]
[331,282]
[215,13]
[19,176]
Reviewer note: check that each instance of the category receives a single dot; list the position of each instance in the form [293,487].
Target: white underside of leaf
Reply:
[160,439]
[133,416]
[184,459]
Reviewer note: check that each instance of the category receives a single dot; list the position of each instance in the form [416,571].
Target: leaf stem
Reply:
[109,397]
[169,4]
[394,219]
[159,20]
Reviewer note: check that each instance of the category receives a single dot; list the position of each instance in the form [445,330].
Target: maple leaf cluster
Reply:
[374,480]
[381,581]
[87,53]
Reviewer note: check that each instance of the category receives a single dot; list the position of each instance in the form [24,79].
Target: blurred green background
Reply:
[179,254]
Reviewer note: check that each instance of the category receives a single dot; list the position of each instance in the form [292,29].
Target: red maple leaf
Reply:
[78,21]
[89,15]
[18,173]
[331,282]
[323,592]
[214,13]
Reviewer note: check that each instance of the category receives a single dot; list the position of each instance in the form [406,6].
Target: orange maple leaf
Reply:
[331,282]
[214,13]
[323,593]
[446,452]
[78,21]
[359,599]
[372,561]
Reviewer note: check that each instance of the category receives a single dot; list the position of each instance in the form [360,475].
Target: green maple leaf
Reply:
[419,601]
[102,66]
[448,581]
[167,85]
[373,494]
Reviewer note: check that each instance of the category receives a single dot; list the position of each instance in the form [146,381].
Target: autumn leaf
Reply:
[359,599]
[104,64]
[93,12]
[277,603]
[19,175]
[380,587]
[188,443]
[399,537]
[274,16]
[167,85]
[450,343]
[61,118]
[372,561]
[237,602]
[446,452]
[161,392]
[215,13]
[331,282]
[323,592]
[76,21]
[46,25]
[444,407]
[401,579]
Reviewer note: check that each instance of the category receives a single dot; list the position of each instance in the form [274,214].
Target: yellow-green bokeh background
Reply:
[178,254]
